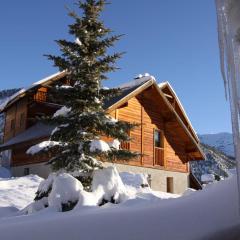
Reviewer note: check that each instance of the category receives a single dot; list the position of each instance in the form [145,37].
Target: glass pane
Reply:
[157,138]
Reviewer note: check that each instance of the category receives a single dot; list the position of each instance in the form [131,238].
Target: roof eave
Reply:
[180,121]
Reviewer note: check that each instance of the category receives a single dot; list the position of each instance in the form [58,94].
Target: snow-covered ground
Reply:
[16,193]
[149,215]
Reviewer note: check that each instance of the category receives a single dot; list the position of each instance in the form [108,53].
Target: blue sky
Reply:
[170,39]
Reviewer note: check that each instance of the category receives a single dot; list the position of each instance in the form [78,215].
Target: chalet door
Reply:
[158,147]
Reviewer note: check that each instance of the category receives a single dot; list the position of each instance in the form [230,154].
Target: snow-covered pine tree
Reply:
[82,120]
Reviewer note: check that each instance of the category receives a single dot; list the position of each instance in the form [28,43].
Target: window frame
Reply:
[12,124]
[159,148]
[161,134]
[22,120]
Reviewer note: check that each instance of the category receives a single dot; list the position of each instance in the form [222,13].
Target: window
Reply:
[26,171]
[158,148]
[170,184]
[22,120]
[158,142]
[12,124]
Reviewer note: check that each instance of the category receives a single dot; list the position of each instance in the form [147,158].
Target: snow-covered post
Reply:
[228,15]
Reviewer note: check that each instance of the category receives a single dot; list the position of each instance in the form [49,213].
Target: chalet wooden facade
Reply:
[165,136]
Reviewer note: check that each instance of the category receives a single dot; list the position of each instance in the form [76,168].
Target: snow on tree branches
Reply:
[82,120]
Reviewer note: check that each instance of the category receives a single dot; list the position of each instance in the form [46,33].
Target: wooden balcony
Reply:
[158,156]
[125,145]
[40,96]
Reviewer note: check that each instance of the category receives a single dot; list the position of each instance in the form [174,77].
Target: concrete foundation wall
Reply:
[158,177]
[40,169]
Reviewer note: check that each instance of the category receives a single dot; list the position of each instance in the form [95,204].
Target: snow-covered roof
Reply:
[22,92]
[37,131]
[139,80]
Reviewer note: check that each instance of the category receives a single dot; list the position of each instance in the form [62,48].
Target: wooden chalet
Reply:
[165,136]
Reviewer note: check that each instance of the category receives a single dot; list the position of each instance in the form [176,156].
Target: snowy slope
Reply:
[216,163]
[193,217]
[221,141]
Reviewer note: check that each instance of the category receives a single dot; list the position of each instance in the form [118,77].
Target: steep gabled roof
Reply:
[137,86]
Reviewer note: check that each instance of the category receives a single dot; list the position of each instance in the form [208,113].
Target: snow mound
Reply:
[40,146]
[136,180]
[65,190]
[110,183]
[4,173]
[89,199]
[189,191]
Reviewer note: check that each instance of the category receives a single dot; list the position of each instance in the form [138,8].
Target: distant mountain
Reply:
[221,141]
[219,152]
[216,163]
[4,94]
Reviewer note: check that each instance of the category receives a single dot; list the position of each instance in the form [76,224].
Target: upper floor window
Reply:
[158,139]
[22,119]
[12,124]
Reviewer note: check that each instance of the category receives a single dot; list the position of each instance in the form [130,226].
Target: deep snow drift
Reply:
[195,215]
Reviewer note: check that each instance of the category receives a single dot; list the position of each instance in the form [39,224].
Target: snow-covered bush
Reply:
[59,191]
[65,192]
[45,187]
[110,183]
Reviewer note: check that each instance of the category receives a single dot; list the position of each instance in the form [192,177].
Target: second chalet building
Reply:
[165,136]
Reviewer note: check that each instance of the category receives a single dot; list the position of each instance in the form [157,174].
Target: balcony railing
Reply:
[159,156]
[125,145]
[40,96]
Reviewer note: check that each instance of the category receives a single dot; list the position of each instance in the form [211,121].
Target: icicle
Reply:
[228,16]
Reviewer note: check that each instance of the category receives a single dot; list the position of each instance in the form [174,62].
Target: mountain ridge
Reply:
[222,141]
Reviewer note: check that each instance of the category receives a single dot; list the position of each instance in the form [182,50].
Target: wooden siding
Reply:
[19,156]
[142,111]
[17,113]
